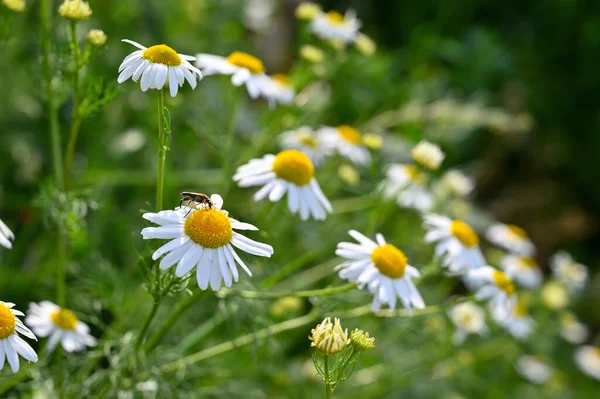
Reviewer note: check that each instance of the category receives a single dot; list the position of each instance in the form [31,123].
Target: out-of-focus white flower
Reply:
[512,238]
[428,155]
[307,11]
[306,140]
[203,239]
[258,14]
[495,287]
[346,141]
[334,26]
[329,337]
[457,243]
[566,270]
[382,268]
[157,66]
[534,368]
[47,319]
[588,359]
[572,330]
[312,54]
[454,183]
[291,172]
[468,318]
[130,141]
[518,323]
[365,44]
[11,344]
[523,270]
[280,90]
[75,10]
[406,183]
[555,296]
[6,236]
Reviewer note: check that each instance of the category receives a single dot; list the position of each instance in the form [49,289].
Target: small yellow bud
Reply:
[365,44]
[373,141]
[75,10]
[307,11]
[285,307]
[339,45]
[349,174]
[329,337]
[14,5]
[555,296]
[312,54]
[428,155]
[96,37]
[361,340]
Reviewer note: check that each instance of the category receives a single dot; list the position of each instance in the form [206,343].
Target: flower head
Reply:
[555,296]
[512,238]
[455,183]
[47,319]
[361,340]
[524,270]
[306,140]
[346,141]
[291,172]
[534,368]
[382,268]
[6,236]
[204,238]
[312,54]
[566,270]
[279,89]
[329,337]
[14,5]
[572,330]
[96,37]
[307,11]
[75,10]
[497,288]
[365,44]
[157,66]
[406,183]
[334,26]
[428,155]
[11,344]
[518,322]
[588,360]
[468,318]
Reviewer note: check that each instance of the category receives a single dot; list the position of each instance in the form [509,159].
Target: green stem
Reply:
[196,337]
[61,268]
[173,317]
[162,152]
[298,294]
[327,380]
[144,329]
[75,115]
[229,144]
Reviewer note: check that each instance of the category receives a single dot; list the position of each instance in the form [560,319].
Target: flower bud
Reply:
[14,5]
[75,10]
[307,11]
[96,37]
[361,340]
[329,337]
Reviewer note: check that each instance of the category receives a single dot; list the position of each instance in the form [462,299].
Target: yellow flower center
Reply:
[350,134]
[64,319]
[520,310]
[208,227]
[294,166]
[335,18]
[162,54]
[389,260]
[412,171]
[8,322]
[245,60]
[503,282]
[528,262]
[464,233]
[517,231]
[282,79]
[307,139]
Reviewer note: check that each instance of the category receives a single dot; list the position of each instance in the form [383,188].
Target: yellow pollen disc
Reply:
[307,139]
[282,79]
[247,61]
[335,18]
[503,282]
[412,171]
[8,322]
[294,166]
[350,134]
[208,227]
[64,319]
[520,310]
[528,262]
[464,233]
[517,231]
[162,54]
[389,260]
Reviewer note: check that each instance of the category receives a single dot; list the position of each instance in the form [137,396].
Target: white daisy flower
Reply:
[534,368]
[245,69]
[6,236]
[406,183]
[566,270]
[335,26]
[291,172]
[346,141]
[47,319]
[203,238]
[305,139]
[523,270]
[588,359]
[468,318]
[280,90]
[383,268]
[495,287]
[454,183]
[157,66]
[428,155]
[518,323]
[11,344]
[512,238]
[572,330]
[457,243]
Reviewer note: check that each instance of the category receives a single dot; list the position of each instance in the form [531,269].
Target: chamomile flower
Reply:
[334,26]
[468,318]
[457,243]
[157,66]
[572,330]
[495,287]
[534,368]
[329,338]
[428,155]
[454,183]
[305,139]
[588,359]
[280,90]
[11,344]
[406,184]
[523,270]
[566,270]
[291,172]
[346,141]
[518,323]
[6,236]
[512,238]
[245,69]
[382,268]
[204,239]
[47,319]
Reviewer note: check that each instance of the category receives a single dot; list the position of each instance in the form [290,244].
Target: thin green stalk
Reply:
[75,114]
[144,329]
[327,380]
[193,339]
[228,158]
[61,255]
[298,294]
[162,152]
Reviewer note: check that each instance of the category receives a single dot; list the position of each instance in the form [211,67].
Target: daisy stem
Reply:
[326,376]
[75,117]
[162,152]
[297,294]
[144,329]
